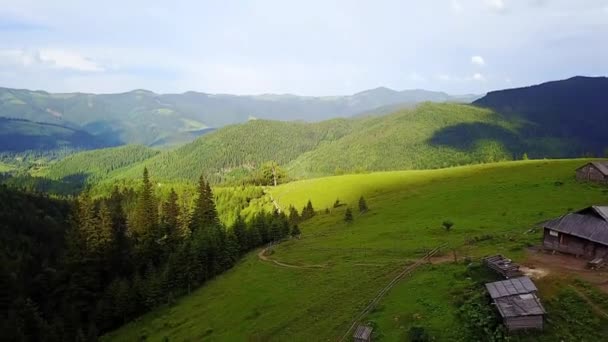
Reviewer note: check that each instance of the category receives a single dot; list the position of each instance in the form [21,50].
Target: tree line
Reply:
[73,270]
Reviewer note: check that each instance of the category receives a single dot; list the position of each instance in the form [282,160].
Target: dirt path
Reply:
[542,263]
[263,257]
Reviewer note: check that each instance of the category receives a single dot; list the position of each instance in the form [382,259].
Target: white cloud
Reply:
[478,60]
[496,5]
[63,59]
[414,76]
[48,58]
[444,77]
[456,6]
[478,77]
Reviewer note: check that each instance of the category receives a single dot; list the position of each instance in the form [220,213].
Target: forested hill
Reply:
[144,117]
[573,110]
[91,166]
[428,136]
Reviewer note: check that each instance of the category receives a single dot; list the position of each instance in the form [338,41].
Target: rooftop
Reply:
[590,223]
[363,332]
[511,287]
[519,305]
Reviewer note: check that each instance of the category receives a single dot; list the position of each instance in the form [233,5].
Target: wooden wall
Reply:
[524,322]
[590,173]
[573,245]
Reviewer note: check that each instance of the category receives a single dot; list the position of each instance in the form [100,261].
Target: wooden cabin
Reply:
[583,233]
[593,172]
[517,302]
[502,266]
[363,333]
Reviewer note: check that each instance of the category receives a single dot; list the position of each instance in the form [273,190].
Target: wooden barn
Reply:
[517,302]
[594,172]
[583,233]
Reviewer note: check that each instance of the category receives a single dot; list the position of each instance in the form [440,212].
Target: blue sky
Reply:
[305,47]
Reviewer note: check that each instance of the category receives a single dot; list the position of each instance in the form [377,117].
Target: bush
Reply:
[447,225]
[418,334]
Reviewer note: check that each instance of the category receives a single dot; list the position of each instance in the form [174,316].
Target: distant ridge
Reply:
[141,116]
[574,111]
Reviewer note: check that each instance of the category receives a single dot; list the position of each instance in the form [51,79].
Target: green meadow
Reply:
[332,272]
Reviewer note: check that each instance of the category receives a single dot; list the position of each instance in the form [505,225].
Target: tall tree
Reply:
[362,205]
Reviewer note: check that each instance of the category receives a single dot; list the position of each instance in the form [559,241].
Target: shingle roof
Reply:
[602,166]
[519,305]
[510,287]
[590,223]
[363,332]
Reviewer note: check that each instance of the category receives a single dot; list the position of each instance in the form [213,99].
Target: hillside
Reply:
[408,139]
[570,112]
[430,135]
[312,288]
[143,117]
[89,166]
[18,136]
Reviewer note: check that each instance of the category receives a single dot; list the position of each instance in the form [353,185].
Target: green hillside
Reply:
[236,150]
[408,139]
[91,166]
[323,280]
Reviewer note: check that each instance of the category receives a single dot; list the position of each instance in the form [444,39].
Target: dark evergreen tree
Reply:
[362,205]
[239,228]
[295,231]
[348,215]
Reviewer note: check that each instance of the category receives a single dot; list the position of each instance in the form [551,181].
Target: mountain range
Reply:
[144,117]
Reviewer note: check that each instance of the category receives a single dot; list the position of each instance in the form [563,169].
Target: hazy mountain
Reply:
[143,117]
[19,135]
[572,111]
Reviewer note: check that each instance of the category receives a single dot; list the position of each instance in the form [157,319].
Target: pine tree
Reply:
[295,231]
[205,213]
[239,228]
[170,219]
[308,211]
[294,216]
[348,215]
[145,217]
[362,205]
[105,230]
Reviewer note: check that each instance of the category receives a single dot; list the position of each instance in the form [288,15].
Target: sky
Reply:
[300,47]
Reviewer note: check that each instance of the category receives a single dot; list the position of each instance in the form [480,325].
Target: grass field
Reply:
[6,167]
[493,208]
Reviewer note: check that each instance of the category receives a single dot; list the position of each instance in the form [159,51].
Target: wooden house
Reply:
[517,302]
[363,333]
[502,266]
[583,233]
[594,172]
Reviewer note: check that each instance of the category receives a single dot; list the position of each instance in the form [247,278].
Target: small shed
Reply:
[503,266]
[363,333]
[594,171]
[582,233]
[517,302]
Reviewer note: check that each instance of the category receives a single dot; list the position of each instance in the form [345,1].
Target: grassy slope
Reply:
[404,140]
[259,301]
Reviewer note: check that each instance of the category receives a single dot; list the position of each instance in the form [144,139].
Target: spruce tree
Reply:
[348,215]
[294,216]
[105,230]
[239,228]
[362,205]
[295,231]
